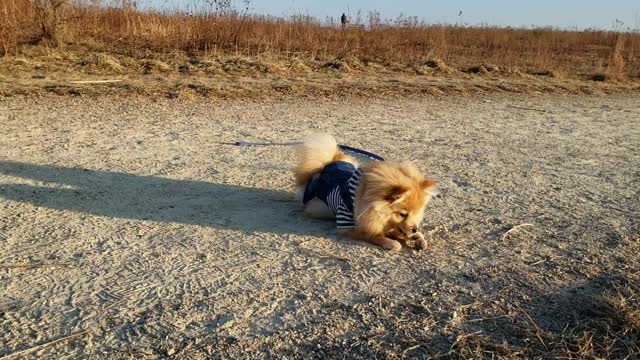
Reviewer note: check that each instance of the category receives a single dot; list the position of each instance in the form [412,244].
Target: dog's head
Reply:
[399,194]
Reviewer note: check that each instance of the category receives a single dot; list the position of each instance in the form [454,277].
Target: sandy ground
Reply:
[127,226]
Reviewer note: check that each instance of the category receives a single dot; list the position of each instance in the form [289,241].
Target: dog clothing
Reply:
[336,186]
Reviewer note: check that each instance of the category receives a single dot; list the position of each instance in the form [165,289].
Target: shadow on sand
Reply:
[121,195]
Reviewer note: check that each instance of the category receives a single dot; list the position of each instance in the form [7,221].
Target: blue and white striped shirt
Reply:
[336,186]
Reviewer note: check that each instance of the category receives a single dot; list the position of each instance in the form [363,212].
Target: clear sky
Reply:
[558,13]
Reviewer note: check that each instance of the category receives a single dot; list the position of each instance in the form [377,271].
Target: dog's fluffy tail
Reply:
[314,154]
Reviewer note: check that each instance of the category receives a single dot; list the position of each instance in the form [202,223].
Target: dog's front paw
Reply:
[419,241]
[392,245]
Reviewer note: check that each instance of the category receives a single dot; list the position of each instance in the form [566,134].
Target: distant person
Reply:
[343,20]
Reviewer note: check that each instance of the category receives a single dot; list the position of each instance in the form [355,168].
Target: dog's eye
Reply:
[404,214]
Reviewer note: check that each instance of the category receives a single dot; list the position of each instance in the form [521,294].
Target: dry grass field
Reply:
[47,43]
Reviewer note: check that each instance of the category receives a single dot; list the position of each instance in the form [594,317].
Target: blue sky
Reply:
[558,13]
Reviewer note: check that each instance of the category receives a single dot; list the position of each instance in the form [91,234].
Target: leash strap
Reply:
[361,152]
[295,143]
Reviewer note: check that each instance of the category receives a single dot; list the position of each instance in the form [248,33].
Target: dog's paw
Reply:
[419,241]
[392,245]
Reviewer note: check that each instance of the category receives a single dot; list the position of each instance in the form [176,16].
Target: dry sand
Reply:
[126,225]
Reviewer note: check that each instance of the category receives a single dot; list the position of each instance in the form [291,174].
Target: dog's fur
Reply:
[390,199]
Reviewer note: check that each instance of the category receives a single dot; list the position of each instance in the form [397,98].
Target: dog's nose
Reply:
[414,229]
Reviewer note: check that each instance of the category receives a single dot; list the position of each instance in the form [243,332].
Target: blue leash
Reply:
[295,143]
[361,152]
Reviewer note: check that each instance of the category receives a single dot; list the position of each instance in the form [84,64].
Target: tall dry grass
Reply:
[617,62]
[125,29]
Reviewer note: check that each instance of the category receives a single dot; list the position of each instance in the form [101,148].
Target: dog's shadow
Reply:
[121,195]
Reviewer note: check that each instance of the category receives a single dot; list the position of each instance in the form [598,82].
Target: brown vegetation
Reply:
[600,325]
[617,62]
[127,30]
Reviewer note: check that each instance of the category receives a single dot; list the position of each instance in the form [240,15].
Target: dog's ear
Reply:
[429,187]
[396,194]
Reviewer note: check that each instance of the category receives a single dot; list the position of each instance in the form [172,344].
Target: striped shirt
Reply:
[336,186]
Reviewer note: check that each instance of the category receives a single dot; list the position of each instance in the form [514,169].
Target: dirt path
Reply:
[157,240]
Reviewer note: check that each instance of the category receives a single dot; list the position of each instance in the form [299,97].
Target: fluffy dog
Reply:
[381,202]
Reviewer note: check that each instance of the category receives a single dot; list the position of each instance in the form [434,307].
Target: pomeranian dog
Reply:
[382,202]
